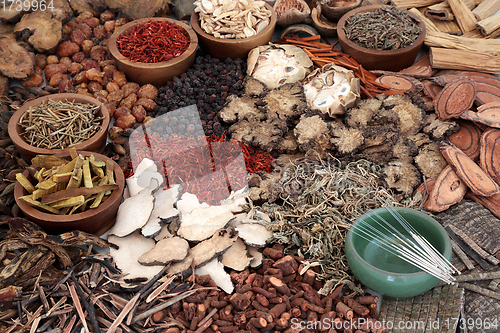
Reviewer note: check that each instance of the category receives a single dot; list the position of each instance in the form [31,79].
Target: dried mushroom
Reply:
[266,135]
[130,248]
[276,65]
[290,12]
[15,61]
[238,108]
[439,129]
[165,251]
[430,161]
[41,30]
[401,176]
[254,87]
[346,140]
[215,269]
[312,132]
[410,116]
[404,149]
[286,102]
[236,257]
[261,186]
[363,114]
[331,89]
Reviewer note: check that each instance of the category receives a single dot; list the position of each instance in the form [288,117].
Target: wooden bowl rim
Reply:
[49,218]
[195,23]
[363,9]
[113,48]
[14,128]
[341,9]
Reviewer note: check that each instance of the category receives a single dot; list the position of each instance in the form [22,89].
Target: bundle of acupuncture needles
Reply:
[409,246]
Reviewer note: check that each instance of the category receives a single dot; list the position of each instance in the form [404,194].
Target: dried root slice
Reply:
[346,139]
[130,248]
[201,223]
[290,12]
[487,85]
[133,214]
[43,31]
[222,240]
[401,176]
[163,210]
[254,234]
[423,191]
[472,175]
[455,98]
[325,27]
[188,203]
[487,114]
[467,139]
[411,117]
[489,157]
[215,269]
[431,88]
[448,190]
[256,256]
[238,108]
[15,61]
[400,82]
[236,257]
[166,251]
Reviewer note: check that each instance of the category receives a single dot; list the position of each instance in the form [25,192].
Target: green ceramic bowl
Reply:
[385,273]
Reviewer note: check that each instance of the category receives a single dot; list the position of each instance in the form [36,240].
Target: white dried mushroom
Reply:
[275,65]
[331,89]
[232,18]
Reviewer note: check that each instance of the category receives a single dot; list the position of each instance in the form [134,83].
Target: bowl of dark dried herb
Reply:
[53,124]
[153,50]
[381,37]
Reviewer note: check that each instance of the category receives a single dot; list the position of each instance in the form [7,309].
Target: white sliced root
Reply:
[188,203]
[216,271]
[236,257]
[254,234]
[133,214]
[256,256]
[130,248]
[201,223]
[166,251]
[163,210]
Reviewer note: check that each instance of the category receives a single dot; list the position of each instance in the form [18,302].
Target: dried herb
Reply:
[387,28]
[59,124]
[153,41]
[320,200]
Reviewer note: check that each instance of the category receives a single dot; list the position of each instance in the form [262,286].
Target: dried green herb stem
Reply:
[387,28]
[321,198]
[59,124]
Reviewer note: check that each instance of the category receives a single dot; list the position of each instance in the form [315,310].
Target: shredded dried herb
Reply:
[321,198]
[387,28]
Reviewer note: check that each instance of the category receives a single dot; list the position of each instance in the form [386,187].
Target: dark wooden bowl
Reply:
[157,74]
[95,221]
[333,13]
[95,144]
[233,48]
[390,60]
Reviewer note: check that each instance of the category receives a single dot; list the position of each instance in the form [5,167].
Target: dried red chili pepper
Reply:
[153,41]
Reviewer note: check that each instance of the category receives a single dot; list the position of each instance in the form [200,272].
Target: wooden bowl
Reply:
[95,144]
[390,60]
[95,221]
[157,74]
[233,48]
[333,13]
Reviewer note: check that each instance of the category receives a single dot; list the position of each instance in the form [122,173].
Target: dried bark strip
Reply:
[455,98]
[478,276]
[494,284]
[474,246]
[472,175]
[480,290]
[461,254]
[466,248]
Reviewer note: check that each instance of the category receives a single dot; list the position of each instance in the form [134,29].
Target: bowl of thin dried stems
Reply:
[223,48]
[45,136]
[155,73]
[95,220]
[390,59]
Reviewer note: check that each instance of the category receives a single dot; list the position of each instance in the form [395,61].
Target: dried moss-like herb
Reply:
[320,200]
